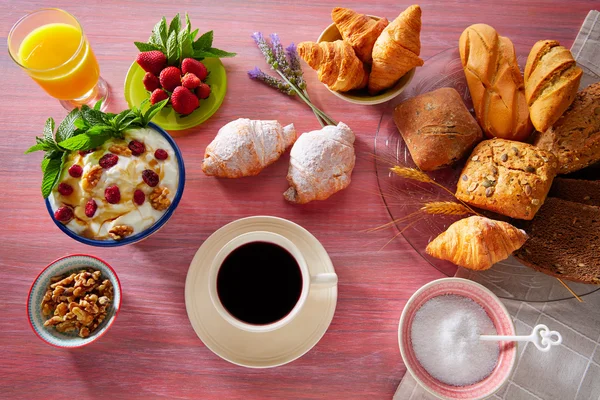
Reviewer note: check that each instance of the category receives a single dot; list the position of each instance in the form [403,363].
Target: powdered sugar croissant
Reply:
[245,147]
[321,163]
[477,242]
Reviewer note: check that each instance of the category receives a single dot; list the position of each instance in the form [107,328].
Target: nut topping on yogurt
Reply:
[108,201]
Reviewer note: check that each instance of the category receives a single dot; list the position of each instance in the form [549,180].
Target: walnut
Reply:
[120,150]
[158,198]
[91,178]
[120,231]
[84,308]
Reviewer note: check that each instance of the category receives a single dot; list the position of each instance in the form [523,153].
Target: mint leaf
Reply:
[92,117]
[212,52]
[172,49]
[155,109]
[99,130]
[51,171]
[175,24]
[49,130]
[141,46]
[84,141]
[186,48]
[188,24]
[98,105]
[194,34]
[37,147]
[204,42]
[80,123]
[67,127]
[121,116]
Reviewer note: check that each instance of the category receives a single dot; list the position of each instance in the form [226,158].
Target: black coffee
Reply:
[259,283]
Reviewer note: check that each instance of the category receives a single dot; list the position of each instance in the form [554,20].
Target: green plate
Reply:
[168,119]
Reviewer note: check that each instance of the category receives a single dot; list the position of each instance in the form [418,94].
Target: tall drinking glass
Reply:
[50,46]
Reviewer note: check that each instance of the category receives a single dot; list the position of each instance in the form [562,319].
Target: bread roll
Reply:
[551,81]
[507,177]
[495,83]
[437,128]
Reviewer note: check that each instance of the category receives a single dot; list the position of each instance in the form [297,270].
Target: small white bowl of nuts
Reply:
[74,301]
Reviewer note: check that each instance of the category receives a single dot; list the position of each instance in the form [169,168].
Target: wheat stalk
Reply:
[411,173]
[445,208]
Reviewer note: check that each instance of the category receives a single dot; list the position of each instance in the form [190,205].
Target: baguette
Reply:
[551,81]
[495,83]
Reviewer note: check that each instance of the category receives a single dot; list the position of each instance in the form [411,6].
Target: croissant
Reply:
[477,242]
[321,163]
[359,30]
[336,64]
[396,50]
[245,147]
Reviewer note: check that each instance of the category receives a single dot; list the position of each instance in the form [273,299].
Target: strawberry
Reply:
[157,96]
[151,82]
[190,81]
[170,78]
[203,91]
[189,65]
[184,101]
[152,61]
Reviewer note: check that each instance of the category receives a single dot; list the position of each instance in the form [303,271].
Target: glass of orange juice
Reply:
[50,45]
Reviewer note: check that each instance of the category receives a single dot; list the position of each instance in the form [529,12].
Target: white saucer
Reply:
[264,349]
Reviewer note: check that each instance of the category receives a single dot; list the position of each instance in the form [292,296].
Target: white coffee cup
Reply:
[309,281]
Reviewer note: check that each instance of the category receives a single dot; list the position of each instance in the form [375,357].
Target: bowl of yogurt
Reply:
[120,192]
[439,340]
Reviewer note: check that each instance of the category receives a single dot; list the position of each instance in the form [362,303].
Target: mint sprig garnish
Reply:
[177,43]
[85,129]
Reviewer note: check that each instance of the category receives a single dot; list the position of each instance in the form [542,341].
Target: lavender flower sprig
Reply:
[289,71]
[275,83]
[295,66]
[281,62]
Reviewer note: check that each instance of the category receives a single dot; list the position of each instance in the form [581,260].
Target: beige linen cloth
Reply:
[570,371]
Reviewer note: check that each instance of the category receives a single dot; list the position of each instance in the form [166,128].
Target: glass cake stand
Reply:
[508,279]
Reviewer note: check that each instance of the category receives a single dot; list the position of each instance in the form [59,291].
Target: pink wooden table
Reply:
[152,351]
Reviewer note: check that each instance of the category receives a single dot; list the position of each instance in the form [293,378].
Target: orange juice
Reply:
[59,58]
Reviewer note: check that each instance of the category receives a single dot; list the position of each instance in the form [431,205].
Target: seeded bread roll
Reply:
[551,82]
[437,128]
[564,241]
[575,137]
[507,177]
[495,83]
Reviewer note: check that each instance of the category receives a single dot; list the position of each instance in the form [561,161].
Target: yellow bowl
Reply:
[331,34]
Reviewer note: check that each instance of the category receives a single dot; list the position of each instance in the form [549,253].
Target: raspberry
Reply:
[75,170]
[157,96]
[65,189]
[190,81]
[194,67]
[108,160]
[203,91]
[184,102]
[161,154]
[63,214]
[112,194]
[139,197]
[150,177]
[84,153]
[170,78]
[151,82]
[136,147]
[90,208]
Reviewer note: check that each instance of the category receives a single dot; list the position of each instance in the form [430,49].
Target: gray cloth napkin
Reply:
[572,370]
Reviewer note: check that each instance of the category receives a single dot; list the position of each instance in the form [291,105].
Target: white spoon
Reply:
[541,336]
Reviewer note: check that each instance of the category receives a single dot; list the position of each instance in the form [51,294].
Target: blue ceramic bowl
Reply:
[157,225]
[65,266]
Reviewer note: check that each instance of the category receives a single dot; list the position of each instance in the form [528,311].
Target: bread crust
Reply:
[437,128]
[495,83]
[551,82]
[507,177]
